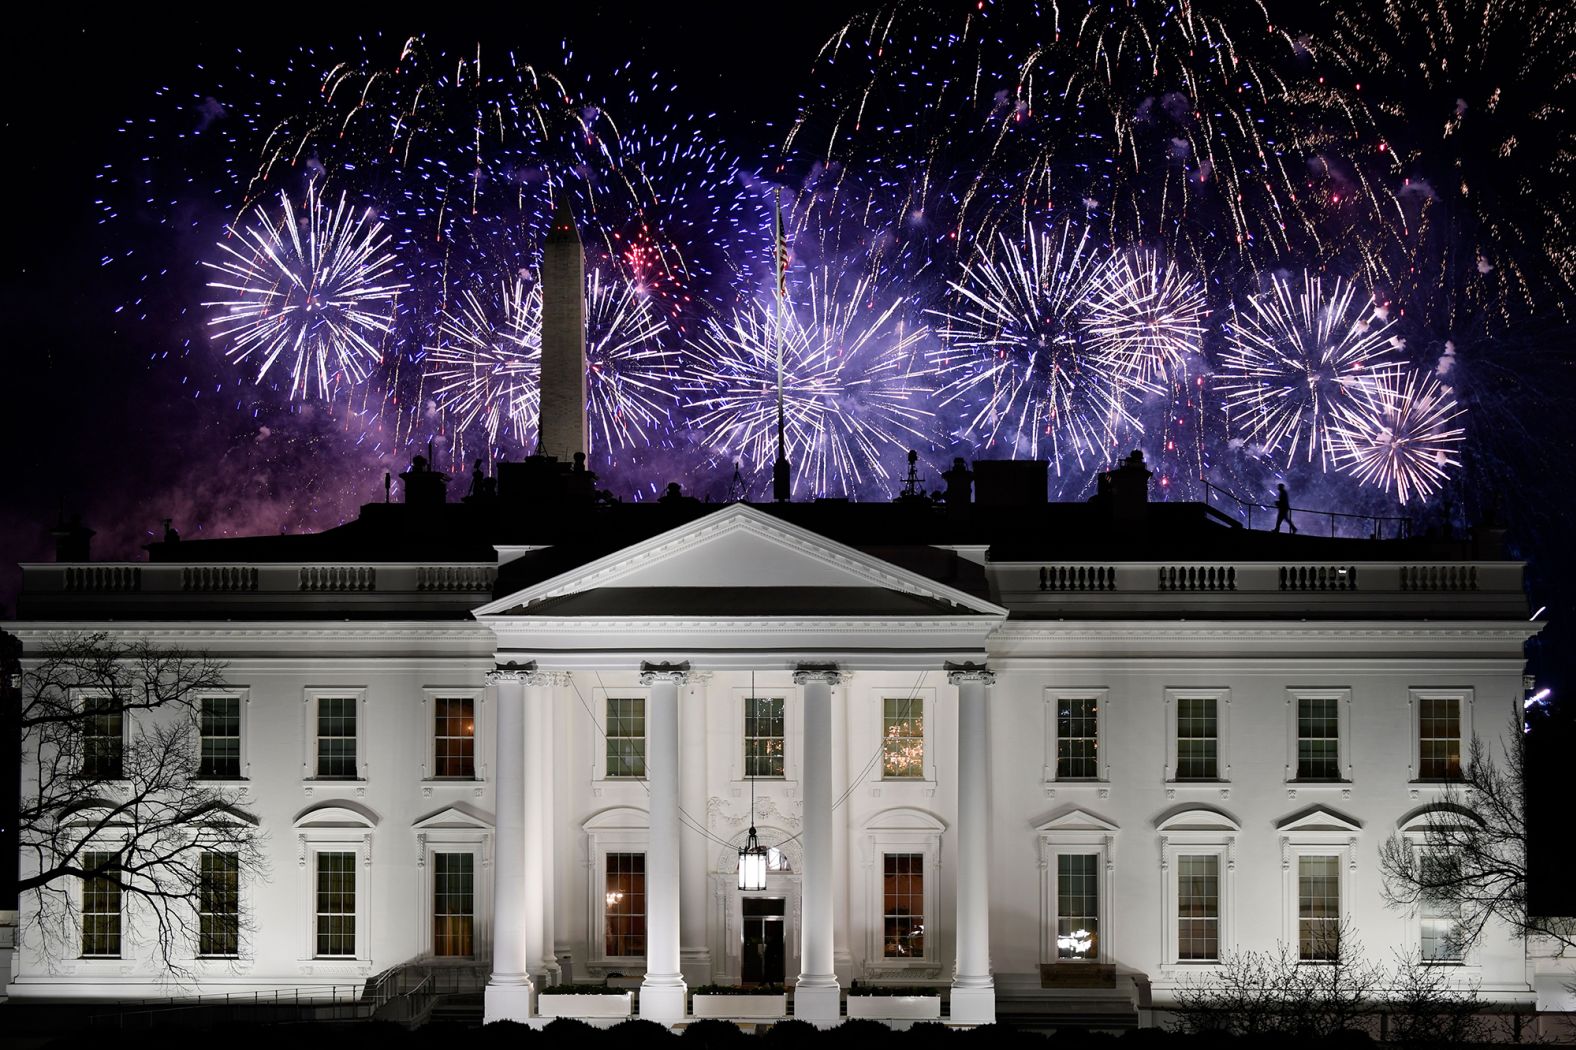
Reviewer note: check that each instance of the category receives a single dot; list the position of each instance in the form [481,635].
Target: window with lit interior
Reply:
[1077,906]
[624,913]
[1439,738]
[903,738]
[903,905]
[454,737]
[763,736]
[453,904]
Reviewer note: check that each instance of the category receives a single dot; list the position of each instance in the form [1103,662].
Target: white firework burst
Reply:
[1145,318]
[1406,435]
[487,366]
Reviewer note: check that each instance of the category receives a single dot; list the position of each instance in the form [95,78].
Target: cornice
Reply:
[1069,630]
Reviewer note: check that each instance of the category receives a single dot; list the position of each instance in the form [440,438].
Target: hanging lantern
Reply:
[752,863]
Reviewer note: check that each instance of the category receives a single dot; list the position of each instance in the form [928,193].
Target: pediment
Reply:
[452,818]
[1197,818]
[1438,815]
[618,818]
[1075,820]
[740,561]
[338,814]
[1318,818]
[904,818]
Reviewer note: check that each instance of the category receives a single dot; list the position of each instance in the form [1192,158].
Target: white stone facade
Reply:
[986,817]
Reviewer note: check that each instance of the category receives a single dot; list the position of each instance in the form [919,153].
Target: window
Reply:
[903,738]
[453,904]
[626,737]
[763,736]
[1318,738]
[1439,738]
[1077,738]
[1318,907]
[218,905]
[1198,907]
[103,740]
[336,737]
[336,905]
[454,737]
[219,724]
[1439,917]
[903,905]
[625,914]
[1197,738]
[100,909]
[1077,906]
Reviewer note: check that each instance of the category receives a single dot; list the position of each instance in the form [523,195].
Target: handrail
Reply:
[1403,526]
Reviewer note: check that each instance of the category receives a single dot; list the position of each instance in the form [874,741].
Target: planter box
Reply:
[613,1004]
[895,1007]
[755,1007]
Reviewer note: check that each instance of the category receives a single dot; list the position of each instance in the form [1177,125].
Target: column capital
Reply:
[511,672]
[969,672]
[651,673]
[546,678]
[828,673]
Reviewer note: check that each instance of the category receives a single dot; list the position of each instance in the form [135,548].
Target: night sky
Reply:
[125,137]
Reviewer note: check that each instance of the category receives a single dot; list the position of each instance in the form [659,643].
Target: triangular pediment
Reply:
[740,561]
[1075,820]
[453,818]
[1318,818]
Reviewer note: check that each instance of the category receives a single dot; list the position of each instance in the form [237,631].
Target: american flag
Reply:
[782,251]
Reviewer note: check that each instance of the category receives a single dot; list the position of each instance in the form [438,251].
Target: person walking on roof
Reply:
[1283,509]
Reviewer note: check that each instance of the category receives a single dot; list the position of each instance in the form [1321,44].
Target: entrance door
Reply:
[762,958]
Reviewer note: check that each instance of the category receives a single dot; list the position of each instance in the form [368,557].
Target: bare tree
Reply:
[116,809]
[1428,1005]
[1471,860]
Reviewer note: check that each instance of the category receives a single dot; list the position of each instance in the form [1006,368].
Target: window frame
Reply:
[899,831]
[1296,844]
[1464,704]
[480,736]
[1222,697]
[601,695]
[309,756]
[452,830]
[621,829]
[244,695]
[927,712]
[94,850]
[239,912]
[356,890]
[79,700]
[741,698]
[335,828]
[1343,735]
[1101,696]
[1076,832]
[1193,833]
[1414,832]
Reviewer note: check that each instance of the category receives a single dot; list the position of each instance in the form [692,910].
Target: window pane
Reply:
[219,904]
[626,736]
[453,904]
[221,737]
[624,931]
[903,905]
[1077,906]
[1077,739]
[1198,907]
[103,738]
[336,904]
[1318,738]
[1318,907]
[454,737]
[763,736]
[1196,739]
[100,909]
[903,737]
[336,736]
[1439,738]
[1440,938]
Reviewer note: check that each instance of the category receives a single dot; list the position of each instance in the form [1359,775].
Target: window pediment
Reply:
[1318,818]
[1075,820]
[618,818]
[1197,818]
[1437,815]
[341,813]
[454,818]
[904,818]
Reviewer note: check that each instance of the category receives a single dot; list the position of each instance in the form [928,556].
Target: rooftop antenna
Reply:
[782,486]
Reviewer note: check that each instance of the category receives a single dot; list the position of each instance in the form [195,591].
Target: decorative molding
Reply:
[652,673]
[822,673]
[968,672]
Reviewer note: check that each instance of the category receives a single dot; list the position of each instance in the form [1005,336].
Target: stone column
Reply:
[817,997]
[662,992]
[538,688]
[973,988]
[843,730]
[508,993]
[546,750]
[694,948]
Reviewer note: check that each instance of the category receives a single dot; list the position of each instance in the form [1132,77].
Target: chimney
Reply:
[960,483]
[1125,488]
[563,380]
[71,539]
[424,487]
[1010,482]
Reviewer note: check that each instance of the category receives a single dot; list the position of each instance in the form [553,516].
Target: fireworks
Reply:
[1296,365]
[1408,431]
[315,289]
[851,371]
[1145,318]
[488,361]
[629,373]
[1016,355]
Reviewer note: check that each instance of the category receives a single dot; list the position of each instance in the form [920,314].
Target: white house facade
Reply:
[1018,752]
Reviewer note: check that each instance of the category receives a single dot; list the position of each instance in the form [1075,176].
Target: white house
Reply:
[1027,753]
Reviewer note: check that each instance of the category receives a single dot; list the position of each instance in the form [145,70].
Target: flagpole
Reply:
[781,477]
